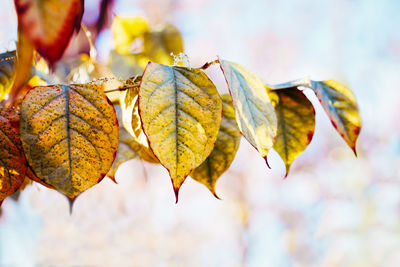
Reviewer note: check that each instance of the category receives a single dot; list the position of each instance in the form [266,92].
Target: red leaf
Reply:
[49,25]
[12,160]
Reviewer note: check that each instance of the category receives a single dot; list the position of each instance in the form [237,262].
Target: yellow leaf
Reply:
[7,72]
[296,123]
[125,30]
[130,112]
[224,151]
[135,49]
[180,109]
[128,149]
[12,159]
[160,43]
[124,66]
[341,106]
[70,136]
[254,112]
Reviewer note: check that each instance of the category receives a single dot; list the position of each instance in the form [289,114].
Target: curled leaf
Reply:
[49,25]
[296,123]
[70,136]
[254,112]
[128,148]
[130,111]
[23,67]
[12,159]
[224,151]
[180,109]
[341,106]
[7,72]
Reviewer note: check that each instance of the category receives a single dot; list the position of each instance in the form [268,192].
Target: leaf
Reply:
[12,159]
[70,136]
[296,123]
[124,66]
[341,106]
[7,72]
[49,25]
[125,30]
[23,67]
[160,43]
[180,109]
[224,151]
[136,44]
[128,149]
[254,112]
[130,111]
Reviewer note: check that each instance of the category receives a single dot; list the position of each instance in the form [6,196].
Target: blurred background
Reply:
[333,209]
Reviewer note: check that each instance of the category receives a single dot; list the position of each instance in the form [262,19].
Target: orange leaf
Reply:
[70,136]
[23,66]
[12,159]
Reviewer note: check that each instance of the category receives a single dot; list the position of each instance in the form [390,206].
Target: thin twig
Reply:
[92,51]
[121,89]
[208,64]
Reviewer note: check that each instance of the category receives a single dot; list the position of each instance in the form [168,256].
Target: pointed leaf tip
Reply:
[112,178]
[176,191]
[355,151]
[215,194]
[266,162]
[287,167]
[71,202]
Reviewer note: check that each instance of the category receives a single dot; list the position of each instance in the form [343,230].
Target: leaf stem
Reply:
[121,89]
[303,82]
[88,34]
[208,64]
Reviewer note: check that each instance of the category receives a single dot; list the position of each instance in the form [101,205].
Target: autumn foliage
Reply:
[70,135]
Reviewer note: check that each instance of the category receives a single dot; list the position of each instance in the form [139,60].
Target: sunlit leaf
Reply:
[7,72]
[224,151]
[125,30]
[49,24]
[130,111]
[161,42]
[12,159]
[341,106]
[24,63]
[69,135]
[296,123]
[128,148]
[254,112]
[180,109]
[125,66]
[136,44]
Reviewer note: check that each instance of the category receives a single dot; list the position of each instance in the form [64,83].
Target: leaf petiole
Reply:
[303,82]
